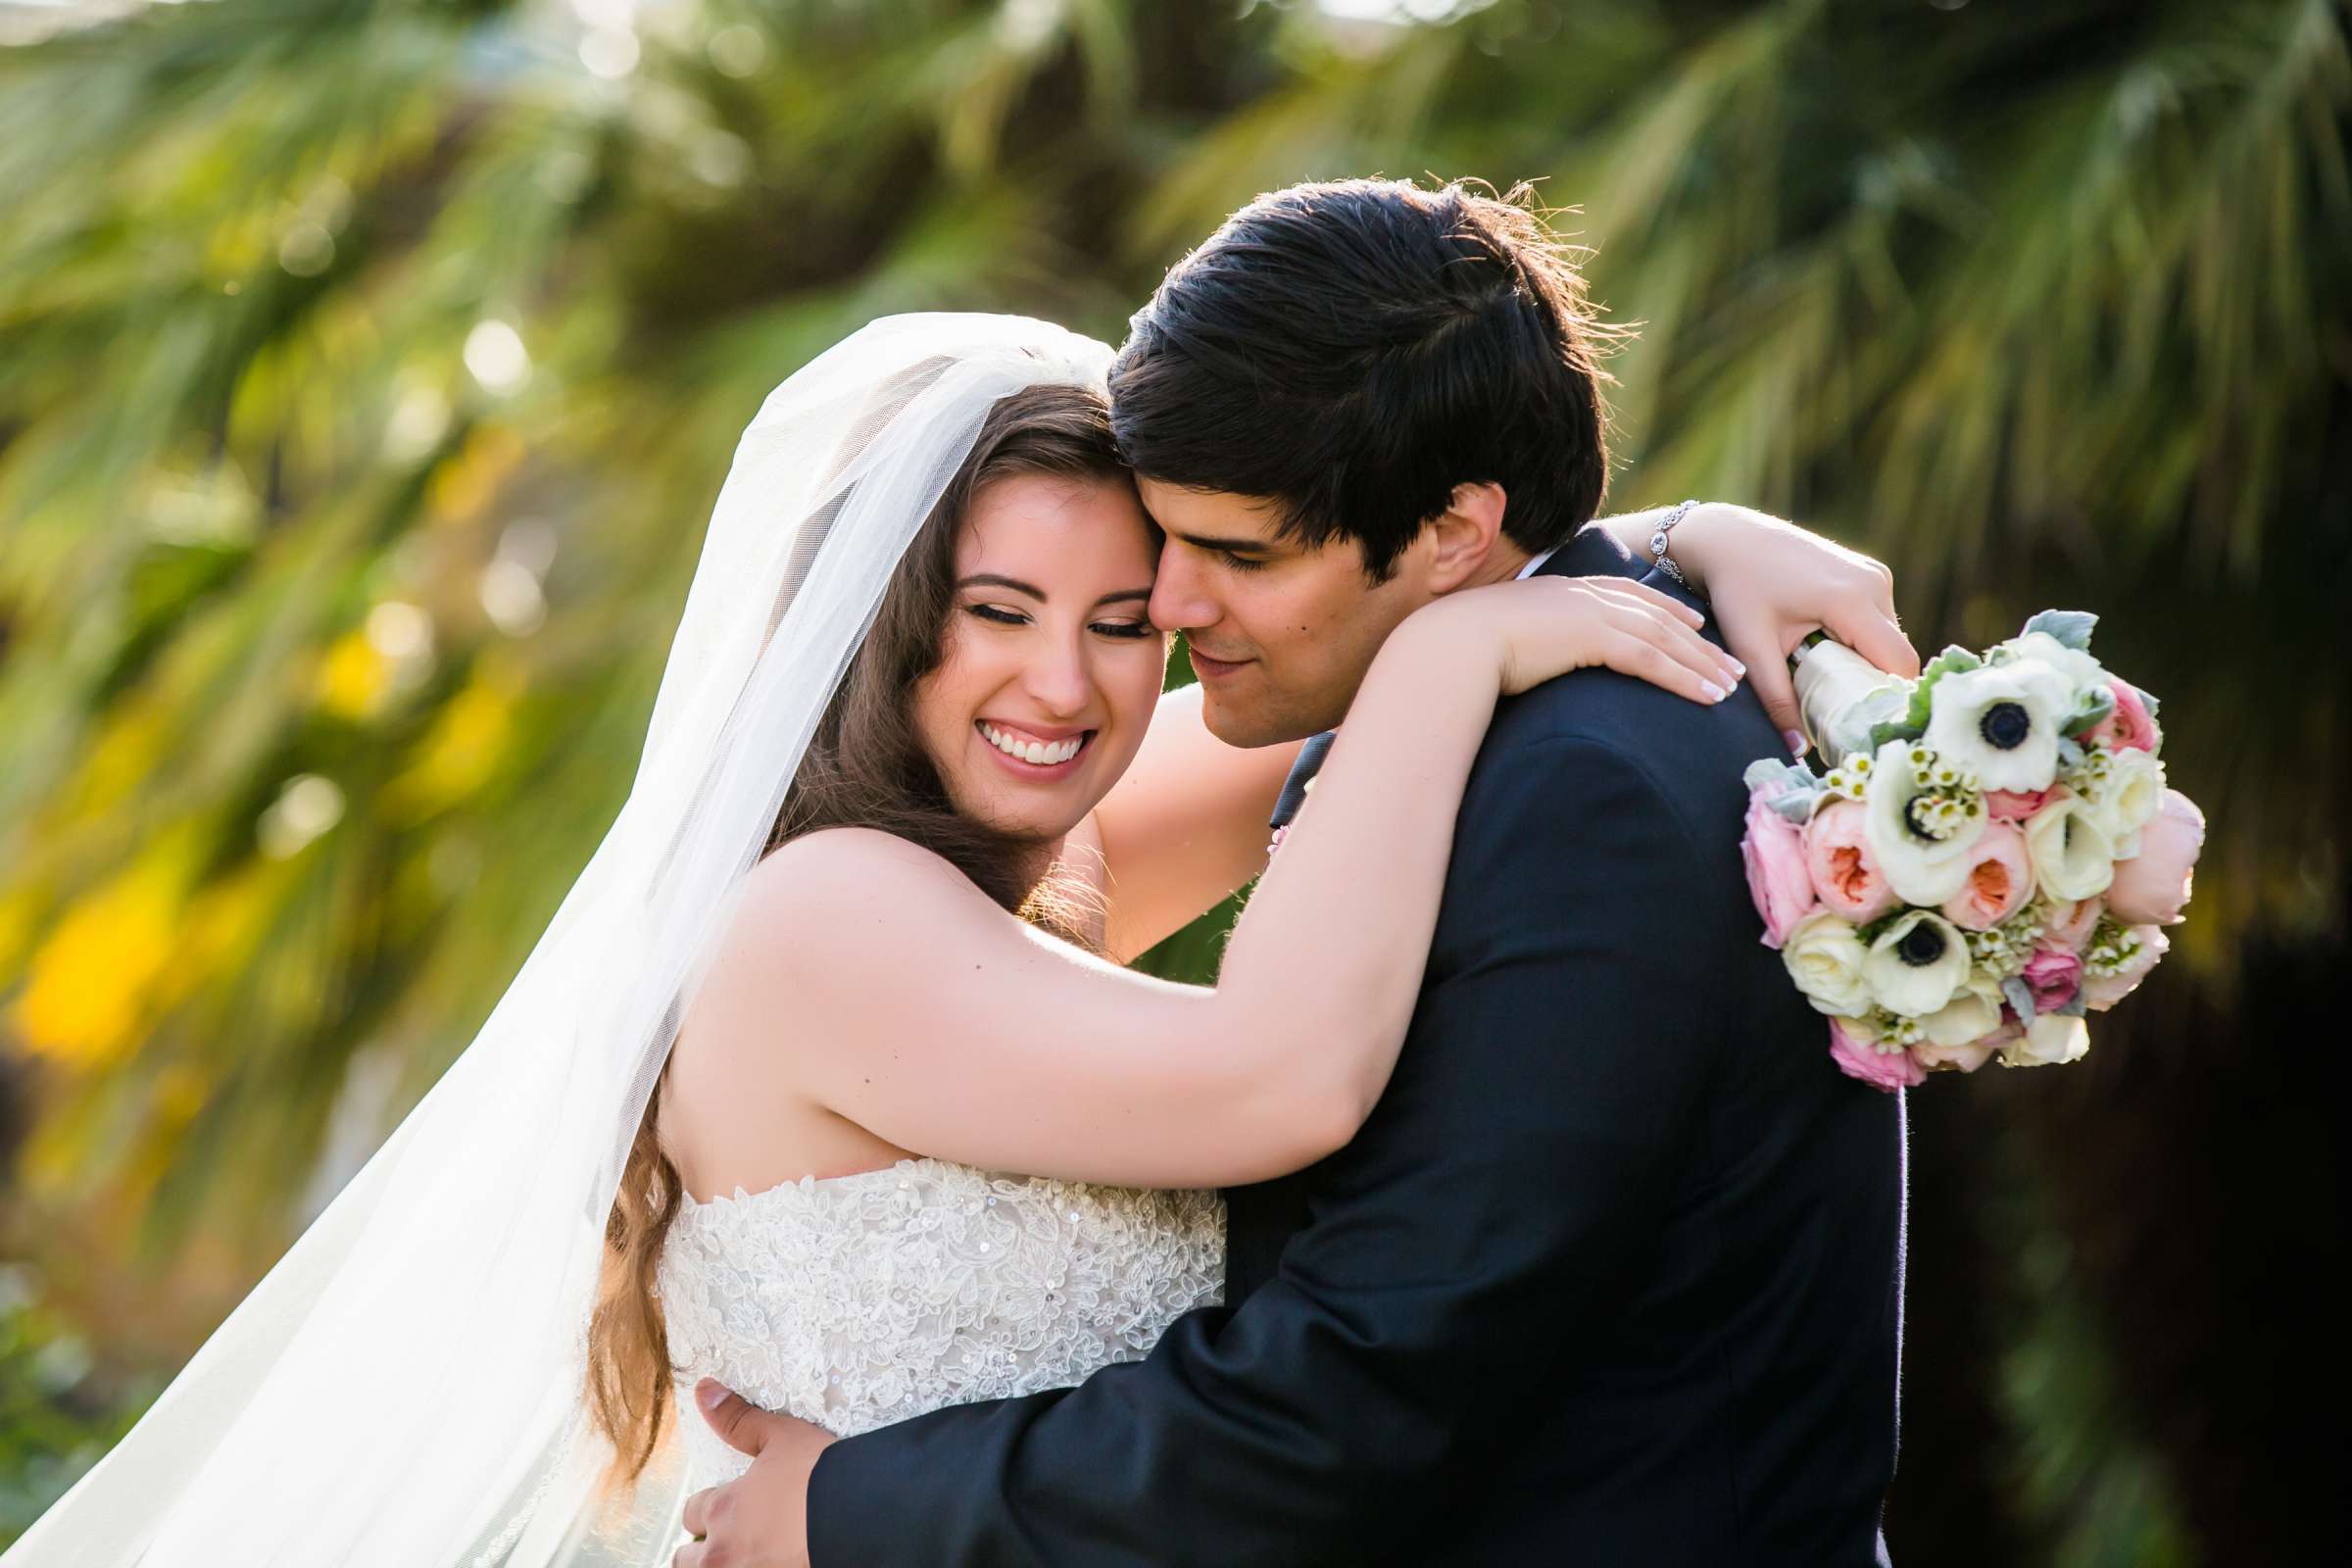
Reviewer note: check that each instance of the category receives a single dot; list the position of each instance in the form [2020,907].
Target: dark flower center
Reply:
[1921,946]
[2005,726]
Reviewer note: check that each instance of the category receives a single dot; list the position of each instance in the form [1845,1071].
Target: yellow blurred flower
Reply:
[462,751]
[353,679]
[462,486]
[92,984]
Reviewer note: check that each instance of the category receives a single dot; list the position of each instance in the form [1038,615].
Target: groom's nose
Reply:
[1179,600]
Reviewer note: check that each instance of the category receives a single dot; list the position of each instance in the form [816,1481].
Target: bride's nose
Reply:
[1059,679]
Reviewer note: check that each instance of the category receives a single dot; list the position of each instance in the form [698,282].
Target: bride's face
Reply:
[1049,667]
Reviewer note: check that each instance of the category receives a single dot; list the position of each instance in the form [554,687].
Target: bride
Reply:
[850,953]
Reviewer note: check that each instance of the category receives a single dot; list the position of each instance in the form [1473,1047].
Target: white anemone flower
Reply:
[2082,673]
[1922,835]
[2001,722]
[1917,965]
[2073,857]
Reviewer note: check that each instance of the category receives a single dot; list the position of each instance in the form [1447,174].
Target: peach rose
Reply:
[1998,884]
[1844,873]
[2150,888]
[2072,923]
[1774,851]
[1857,1058]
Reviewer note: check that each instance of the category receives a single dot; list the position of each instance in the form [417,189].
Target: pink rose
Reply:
[2053,974]
[2103,991]
[1844,872]
[1775,852]
[1998,883]
[2071,924]
[2015,806]
[1857,1058]
[2150,888]
[2129,727]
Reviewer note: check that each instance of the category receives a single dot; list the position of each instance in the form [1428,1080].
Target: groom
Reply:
[1613,1273]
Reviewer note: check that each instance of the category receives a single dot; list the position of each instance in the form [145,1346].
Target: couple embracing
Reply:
[1496,1204]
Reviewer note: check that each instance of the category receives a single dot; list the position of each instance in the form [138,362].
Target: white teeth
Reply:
[1037,753]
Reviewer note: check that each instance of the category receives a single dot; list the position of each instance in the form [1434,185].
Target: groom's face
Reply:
[1280,635]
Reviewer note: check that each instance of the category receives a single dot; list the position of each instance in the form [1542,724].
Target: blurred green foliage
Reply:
[367,369]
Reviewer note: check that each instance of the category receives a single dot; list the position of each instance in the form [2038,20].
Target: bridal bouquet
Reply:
[1993,854]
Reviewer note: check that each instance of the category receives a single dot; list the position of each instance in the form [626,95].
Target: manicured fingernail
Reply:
[1715,693]
[1797,745]
[709,1394]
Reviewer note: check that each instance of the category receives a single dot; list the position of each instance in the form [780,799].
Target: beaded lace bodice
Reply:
[861,1300]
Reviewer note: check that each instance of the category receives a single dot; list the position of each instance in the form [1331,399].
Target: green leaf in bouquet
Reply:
[2147,698]
[2090,712]
[2071,627]
[1953,661]
[2072,1007]
[2019,996]
[1880,734]
[1869,935]
[1791,789]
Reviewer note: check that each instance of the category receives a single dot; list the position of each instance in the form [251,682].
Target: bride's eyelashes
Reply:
[1129,630]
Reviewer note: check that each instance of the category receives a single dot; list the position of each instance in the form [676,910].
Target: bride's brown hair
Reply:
[865,766]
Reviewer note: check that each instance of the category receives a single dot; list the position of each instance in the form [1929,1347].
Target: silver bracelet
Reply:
[1657,539]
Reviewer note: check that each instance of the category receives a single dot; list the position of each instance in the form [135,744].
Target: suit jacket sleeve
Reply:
[1545,1093]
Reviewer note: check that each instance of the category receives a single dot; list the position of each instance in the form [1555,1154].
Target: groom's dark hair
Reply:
[1355,350]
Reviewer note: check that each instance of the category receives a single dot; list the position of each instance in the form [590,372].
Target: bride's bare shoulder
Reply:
[737,1108]
[817,889]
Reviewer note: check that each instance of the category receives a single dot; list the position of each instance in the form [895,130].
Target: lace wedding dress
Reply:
[865,1300]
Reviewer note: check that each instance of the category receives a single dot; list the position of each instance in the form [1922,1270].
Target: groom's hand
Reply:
[760,1519]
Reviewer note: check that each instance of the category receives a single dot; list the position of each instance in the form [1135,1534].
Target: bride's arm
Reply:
[1772,582]
[871,981]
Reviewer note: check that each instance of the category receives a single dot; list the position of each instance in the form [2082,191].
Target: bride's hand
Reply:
[1770,583]
[1539,627]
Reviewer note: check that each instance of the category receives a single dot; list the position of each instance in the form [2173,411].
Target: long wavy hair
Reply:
[865,766]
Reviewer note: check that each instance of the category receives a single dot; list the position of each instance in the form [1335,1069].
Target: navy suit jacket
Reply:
[1612,1275]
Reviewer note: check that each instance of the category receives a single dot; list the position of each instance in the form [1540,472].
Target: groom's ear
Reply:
[1462,538]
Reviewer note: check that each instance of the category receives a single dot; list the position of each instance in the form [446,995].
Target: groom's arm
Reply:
[1528,1142]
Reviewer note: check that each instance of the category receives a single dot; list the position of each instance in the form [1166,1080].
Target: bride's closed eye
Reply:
[1127,629]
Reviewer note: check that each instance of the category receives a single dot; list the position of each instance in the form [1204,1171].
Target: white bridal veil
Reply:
[405,1387]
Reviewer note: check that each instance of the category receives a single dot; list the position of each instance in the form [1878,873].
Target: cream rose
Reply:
[2127,799]
[1824,958]
[1974,1012]
[2049,1039]
[2073,857]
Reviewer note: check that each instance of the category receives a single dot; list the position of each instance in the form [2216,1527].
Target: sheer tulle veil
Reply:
[405,1386]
